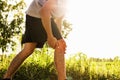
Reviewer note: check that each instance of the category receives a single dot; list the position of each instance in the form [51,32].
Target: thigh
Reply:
[55,30]
[29,47]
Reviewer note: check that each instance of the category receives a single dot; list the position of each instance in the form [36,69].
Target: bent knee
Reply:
[29,48]
[28,51]
[61,46]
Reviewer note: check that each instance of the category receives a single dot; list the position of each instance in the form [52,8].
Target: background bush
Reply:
[40,66]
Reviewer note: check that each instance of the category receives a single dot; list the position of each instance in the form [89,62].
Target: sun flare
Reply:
[95,27]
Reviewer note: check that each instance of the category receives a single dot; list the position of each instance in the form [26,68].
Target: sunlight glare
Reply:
[95,27]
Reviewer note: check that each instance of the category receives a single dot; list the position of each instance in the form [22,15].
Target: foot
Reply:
[6,79]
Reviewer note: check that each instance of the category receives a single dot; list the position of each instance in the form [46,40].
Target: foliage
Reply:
[11,19]
[79,67]
[40,66]
[67,27]
[37,67]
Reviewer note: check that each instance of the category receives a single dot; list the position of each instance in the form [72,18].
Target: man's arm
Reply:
[45,14]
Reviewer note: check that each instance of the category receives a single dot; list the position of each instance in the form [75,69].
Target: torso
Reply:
[36,5]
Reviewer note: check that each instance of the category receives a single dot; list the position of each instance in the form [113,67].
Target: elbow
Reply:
[44,13]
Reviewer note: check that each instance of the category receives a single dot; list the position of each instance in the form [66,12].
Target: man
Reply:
[43,23]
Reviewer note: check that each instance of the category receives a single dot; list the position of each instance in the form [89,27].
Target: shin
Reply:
[59,58]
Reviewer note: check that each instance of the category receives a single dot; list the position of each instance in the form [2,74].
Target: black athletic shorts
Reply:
[35,32]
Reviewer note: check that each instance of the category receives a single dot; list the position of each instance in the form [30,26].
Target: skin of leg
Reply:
[19,58]
[60,65]
[59,59]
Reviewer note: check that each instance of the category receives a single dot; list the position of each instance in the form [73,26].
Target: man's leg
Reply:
[19,58]
[59,58]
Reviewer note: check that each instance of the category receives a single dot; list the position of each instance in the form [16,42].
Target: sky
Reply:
[96,25]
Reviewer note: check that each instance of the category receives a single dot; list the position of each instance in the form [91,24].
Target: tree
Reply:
[66,28]
[11,20]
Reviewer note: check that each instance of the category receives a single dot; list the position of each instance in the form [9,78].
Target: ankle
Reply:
[6,77]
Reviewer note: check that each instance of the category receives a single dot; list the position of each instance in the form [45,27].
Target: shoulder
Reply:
[41,2]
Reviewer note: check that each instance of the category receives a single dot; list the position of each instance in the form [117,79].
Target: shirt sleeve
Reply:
[41,2]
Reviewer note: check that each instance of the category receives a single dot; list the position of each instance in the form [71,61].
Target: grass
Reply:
[40,66]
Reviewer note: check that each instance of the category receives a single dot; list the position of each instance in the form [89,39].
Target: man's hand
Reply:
[52,42]
[60,46]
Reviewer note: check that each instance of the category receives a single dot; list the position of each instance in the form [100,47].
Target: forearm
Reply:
[45,14]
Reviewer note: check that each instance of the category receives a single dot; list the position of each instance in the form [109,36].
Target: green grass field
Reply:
[40,66]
